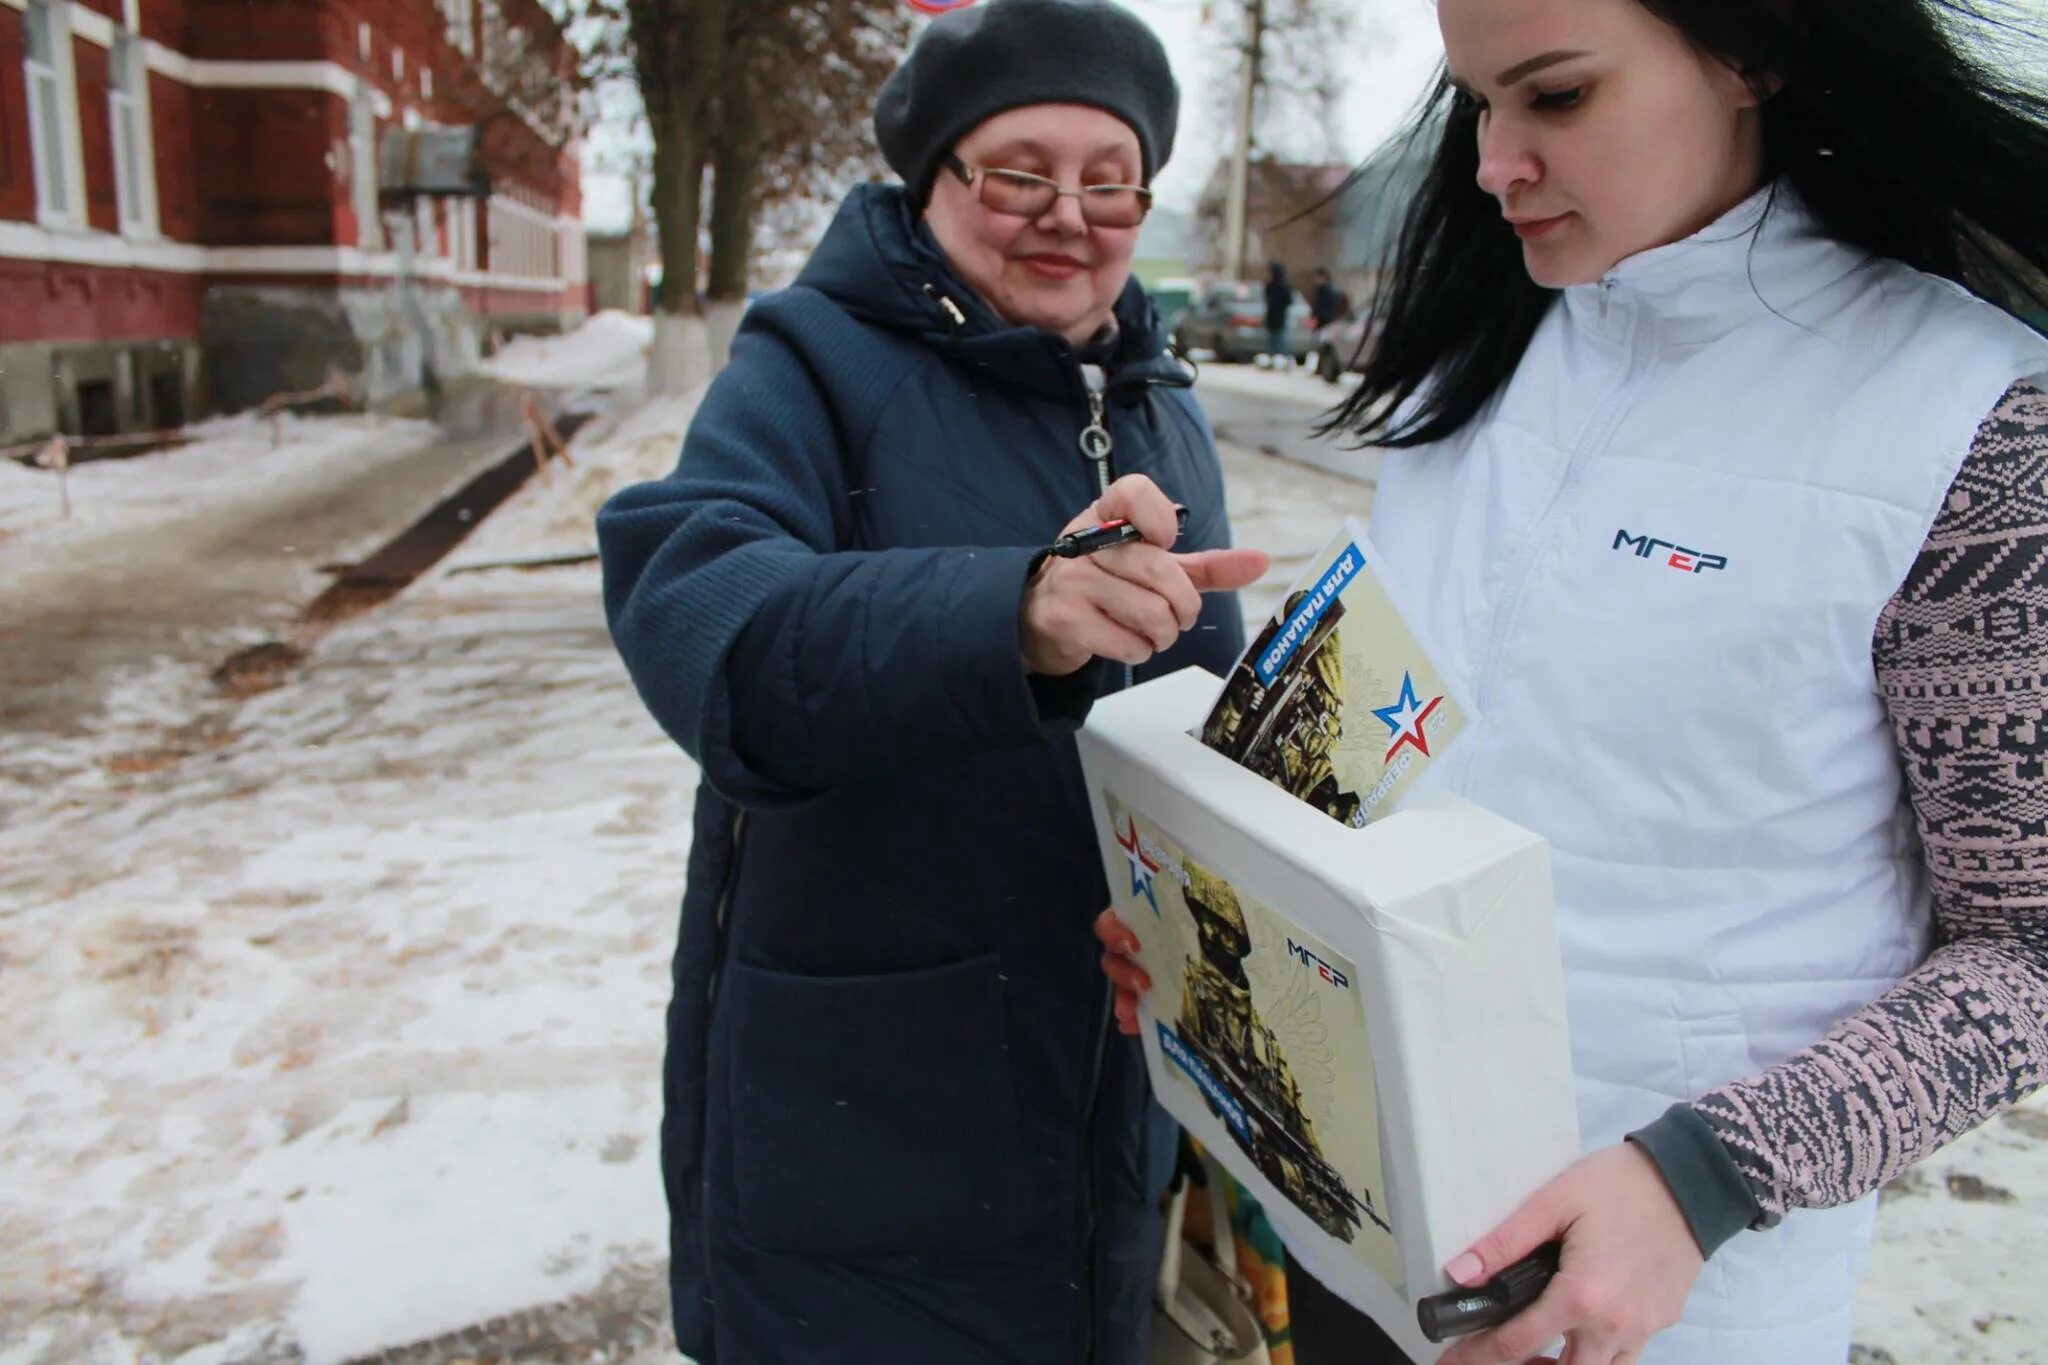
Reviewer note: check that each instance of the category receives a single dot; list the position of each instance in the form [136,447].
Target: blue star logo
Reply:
[1405,719]
[1142,866]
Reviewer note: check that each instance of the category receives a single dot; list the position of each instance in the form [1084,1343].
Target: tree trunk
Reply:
[678,81]
[679,75]
[681,358]
[678,207]
[736,170]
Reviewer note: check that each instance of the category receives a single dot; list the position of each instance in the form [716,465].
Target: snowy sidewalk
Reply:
[331,1020]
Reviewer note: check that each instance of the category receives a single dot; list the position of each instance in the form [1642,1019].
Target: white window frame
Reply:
[57,77]
[461,17]
[362,146]
[134,184]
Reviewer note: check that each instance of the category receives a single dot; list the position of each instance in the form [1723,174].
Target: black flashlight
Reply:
[1463,1311]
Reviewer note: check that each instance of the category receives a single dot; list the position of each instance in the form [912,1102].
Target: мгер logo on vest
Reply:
[1688,561]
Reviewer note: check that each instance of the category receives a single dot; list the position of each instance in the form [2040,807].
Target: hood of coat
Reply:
[880,262]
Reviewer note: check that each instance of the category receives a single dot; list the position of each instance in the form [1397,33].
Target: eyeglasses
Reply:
[1021,194]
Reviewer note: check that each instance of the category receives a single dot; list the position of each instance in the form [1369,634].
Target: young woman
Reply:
[1716,480]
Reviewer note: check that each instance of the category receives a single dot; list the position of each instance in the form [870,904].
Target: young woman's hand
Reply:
[1628,1265]
[1118,943]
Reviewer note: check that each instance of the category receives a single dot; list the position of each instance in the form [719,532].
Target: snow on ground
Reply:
[230,461]
[344,1029]
[554,514]
[1961,1261]
[331,1020]
[608,351]
[1295,383]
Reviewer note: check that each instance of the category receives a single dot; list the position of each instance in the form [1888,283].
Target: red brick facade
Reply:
[17,169]
[255,120]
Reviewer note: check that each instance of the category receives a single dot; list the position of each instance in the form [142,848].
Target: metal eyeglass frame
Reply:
[974,176]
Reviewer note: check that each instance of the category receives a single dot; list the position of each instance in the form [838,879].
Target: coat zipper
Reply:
[1097,445]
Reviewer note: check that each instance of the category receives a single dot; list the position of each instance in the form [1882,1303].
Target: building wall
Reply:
[175,156]
[17,166]
[89,65]
[255,111]
[1290,216]
[263,175]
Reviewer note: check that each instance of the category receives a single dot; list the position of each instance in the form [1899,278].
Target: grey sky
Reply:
[1395,50]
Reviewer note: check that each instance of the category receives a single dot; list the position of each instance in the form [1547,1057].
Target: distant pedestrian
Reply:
[1325,304]
[1279,302]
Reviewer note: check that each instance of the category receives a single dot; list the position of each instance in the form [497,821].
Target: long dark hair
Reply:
[1899,141]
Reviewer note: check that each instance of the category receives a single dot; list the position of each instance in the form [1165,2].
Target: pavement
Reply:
[331,1017]
[176,583]
[1278,413]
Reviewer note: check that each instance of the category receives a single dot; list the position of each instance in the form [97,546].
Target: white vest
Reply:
[1653,567]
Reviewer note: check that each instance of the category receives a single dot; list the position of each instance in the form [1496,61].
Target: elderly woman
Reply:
[894,1130]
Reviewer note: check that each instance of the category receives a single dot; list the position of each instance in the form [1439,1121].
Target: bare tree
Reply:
[524,65]
[1303,51]
[769,96]
[791,123]
[679,49]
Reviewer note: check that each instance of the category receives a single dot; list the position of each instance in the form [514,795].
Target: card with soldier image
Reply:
[1264,1023]
[1335,702]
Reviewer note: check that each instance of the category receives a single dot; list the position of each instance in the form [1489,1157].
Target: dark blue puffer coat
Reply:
[899,1129]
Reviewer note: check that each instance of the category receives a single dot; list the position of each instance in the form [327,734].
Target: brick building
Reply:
[1290,217]
[191,215]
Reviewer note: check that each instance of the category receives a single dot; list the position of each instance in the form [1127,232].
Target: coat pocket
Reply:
[873,1115]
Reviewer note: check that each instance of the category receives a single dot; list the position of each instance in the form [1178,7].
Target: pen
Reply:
[1463,1311]
[1096,539]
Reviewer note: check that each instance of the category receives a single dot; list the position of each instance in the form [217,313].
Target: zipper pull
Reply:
[1096,443]
[1606,296]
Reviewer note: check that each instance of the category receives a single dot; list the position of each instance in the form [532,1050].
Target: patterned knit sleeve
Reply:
[1962,662]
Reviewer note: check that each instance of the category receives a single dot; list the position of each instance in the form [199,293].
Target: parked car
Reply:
[1230,321]
[1172,298]
[1340,347]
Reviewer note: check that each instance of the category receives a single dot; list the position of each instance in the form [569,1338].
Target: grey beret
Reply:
[974,63]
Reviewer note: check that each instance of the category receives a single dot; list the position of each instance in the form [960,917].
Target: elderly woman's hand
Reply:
[1628,1265]
[1118,943]
[1131,602]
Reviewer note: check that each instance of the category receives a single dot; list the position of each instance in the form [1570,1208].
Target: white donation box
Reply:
[1365,1026]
